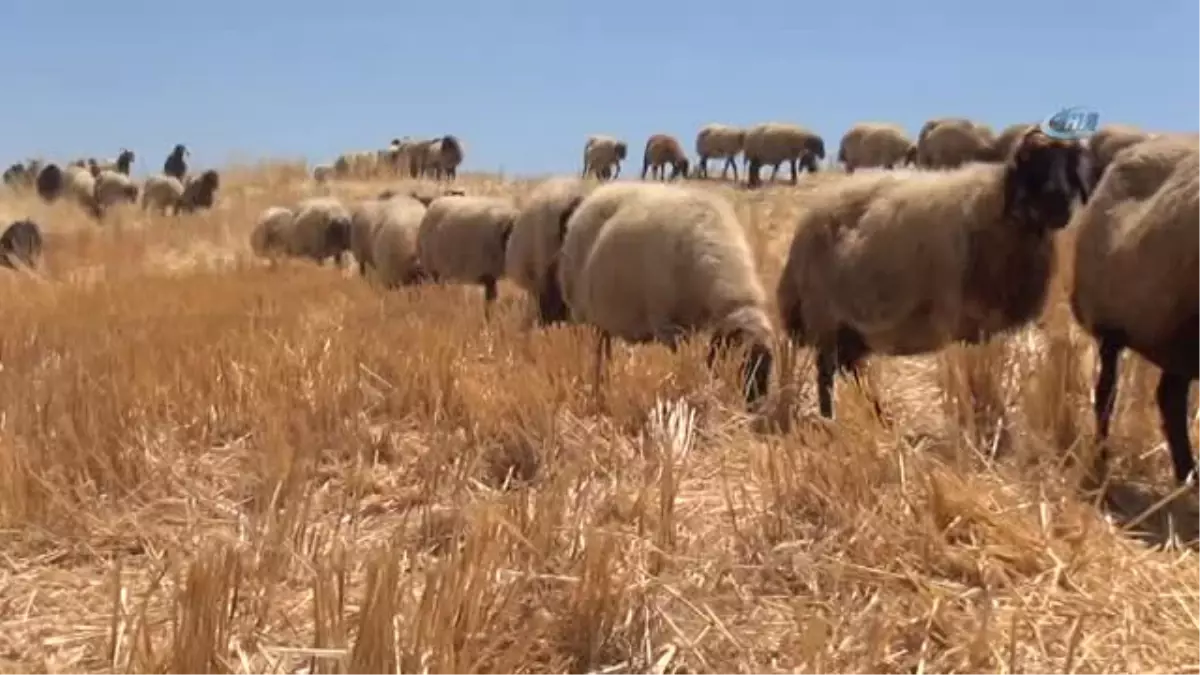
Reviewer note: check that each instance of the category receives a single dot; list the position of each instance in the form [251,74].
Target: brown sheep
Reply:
[773,143]
[874,144]
[199,192]
[719,141]
[663,150]
[903,263]
[949,144]
[602,157]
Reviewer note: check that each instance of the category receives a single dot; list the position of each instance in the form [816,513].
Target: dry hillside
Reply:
[207,465]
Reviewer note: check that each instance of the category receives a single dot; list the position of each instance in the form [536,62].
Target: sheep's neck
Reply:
[1006,279]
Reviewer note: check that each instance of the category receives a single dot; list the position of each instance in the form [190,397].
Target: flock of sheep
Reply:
[885,262]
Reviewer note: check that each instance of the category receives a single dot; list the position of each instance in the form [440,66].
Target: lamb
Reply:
[199,192]
[1135,278]
[950,143]
[655,262]
[602,156]
[663,150]
[875,144]
[175,164]
[161,193]
[464,239]
[271,232]
[776,142]
[320,230]
[531,258]
[719,141]
[21,245]
[113,187]
[903,263]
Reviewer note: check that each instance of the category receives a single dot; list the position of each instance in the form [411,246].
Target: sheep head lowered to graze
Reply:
[903,264]
[199,193]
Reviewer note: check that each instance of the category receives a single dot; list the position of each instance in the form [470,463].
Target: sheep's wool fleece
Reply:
[885,254]
[534,241]
[462,238]
[1138,241]
[642,261]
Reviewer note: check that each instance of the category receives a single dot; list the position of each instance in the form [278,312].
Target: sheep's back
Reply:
[534,242]
[394,247]
[313,217]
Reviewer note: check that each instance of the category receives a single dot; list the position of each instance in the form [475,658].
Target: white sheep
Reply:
[320,230]
[161,193]
[464,239]
[114,187]
[1135,272]
[647,261]
[904,263]
[271,233]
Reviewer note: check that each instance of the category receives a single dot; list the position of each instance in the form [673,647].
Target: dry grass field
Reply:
[207,465]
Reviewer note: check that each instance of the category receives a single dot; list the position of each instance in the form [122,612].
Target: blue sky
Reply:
[523,82]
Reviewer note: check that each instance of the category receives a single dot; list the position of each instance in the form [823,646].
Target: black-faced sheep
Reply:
[443,156]
[602,156]
[175,165]
[663,150]
[464,239]
[1135,278]
[903,264]
[774,143]
[199,192]
[531,259]
[21,245]
[656,262]
[161,193]
[123,163]
[719,141]
[875,144]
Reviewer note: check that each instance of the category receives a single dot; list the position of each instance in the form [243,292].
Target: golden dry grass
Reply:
[207,465]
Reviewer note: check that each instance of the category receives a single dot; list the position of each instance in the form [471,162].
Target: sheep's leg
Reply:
[1172,396]
[845,356]
[774,171]
[1110,349]
[489,295]
[795,170]
[603,356]
[752,170]
[731,162]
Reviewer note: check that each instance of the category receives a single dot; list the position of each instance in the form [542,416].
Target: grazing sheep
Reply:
[161,193]
[393,254]
[875,144]
[1110,139]
[113,187]
[271,232]
[773,143]
[651,262]
[602,156]
[531,259]
[903,263]
[950,143]
[663,150]
[719,141]
[21,245]
[199,192]
[1135,278]
[320,230]
[464,239]
[175,164]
